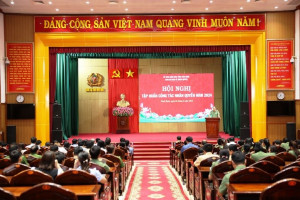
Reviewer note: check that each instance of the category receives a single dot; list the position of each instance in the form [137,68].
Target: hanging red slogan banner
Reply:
[20,70]
[280,72]
[151,23]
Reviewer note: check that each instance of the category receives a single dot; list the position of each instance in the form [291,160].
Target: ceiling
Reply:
[144,6]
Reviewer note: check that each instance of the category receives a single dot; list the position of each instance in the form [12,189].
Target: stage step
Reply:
[152,150]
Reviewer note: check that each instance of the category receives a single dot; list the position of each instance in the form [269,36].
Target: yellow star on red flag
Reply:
[130,73]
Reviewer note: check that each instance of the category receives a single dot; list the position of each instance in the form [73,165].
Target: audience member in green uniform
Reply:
[294,149]
[33,151]
[285,144]
[224,155]
[13,147]
[259,154]
[238,163]
[111,150]
[95,158]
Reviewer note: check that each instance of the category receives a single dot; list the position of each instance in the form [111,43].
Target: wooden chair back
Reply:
[4,163]
[99,168]
[267,166]
[109,163]
[283,189]
[47,191]
[28,151]
[296,163]
[280,149]
[30,177]
[6,195]
[249,161]
[4,151]
[3,181]
[208,161]
[216,150]
[291,172]
[75,177]
[223,167]
[35,163]
[286,156]
[120,152]
[190,153]
[102,152]
[112,158]
[250,175]
[69,162]
[274,159]
[14,169]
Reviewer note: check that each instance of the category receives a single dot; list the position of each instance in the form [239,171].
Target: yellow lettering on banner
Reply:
[195,23]
[123,23]
[221,22]
[55,24]
[80,24]
[144,23]
[248,22]
[172,23]
[101,23]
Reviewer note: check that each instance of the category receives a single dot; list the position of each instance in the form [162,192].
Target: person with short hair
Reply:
[77,150]
[101,144]
[74,143]
[259,154]
[111,150]
[238,163]
[33,152]
[224,155]
[33,141]
[15,156]
[54,148]
[207,149]
[130,148]
[189,144]
[285,144]
[95,158]
[13,147]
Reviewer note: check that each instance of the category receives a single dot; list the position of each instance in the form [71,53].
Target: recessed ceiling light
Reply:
[50,2]
[12,2]
[285,0]
[241,8]
[276,7]
[126,9]
[173,1]
[87,2]
[124,2]
[211,1]
[206,8]
[56,9]
[248,1]
[92,9]
[172,9]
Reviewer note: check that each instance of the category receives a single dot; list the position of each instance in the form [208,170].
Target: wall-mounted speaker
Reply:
[11,134]
[56,123]
[57,135]
[56,110]
[244,133]
[291,130]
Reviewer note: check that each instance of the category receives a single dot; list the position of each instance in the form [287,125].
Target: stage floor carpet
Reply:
[148,137]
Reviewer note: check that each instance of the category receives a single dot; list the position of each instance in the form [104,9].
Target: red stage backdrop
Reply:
[20,70]
[220,22]
[280,71]
[123,79]
[175,97]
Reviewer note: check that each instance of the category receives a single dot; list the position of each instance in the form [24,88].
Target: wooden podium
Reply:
[212,127]
[123,125]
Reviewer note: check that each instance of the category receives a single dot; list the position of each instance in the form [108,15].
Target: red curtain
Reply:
[129,87]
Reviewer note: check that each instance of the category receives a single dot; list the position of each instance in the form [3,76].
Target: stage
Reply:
[149,137]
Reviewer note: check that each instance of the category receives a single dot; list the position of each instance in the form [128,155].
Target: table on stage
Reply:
[241,191]
[79,190]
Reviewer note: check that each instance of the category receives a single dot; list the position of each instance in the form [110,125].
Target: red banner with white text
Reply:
[131,23]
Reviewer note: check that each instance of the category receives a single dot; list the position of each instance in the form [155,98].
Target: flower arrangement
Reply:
[122,111]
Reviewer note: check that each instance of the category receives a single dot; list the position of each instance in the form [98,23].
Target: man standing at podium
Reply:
[214,113]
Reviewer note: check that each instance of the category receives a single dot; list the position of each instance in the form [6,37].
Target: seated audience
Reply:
[294,149]
[107,141]
[95,155]
[83,163]
[38,143]
[285,144]
[33,152]
[74,143]
[60,157]
[238,163]
[111,150]
[50,165]
[224,155]
[33,141]
[266,143]
[232,148]
[54,148]
[259,154]
[230,141]
[220,143]
[207,148]
[246,149]
[189,144]
[15,156]
[88,145]
[101,144]
[77,150]
[129,147]
[13,147]
[178,139]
